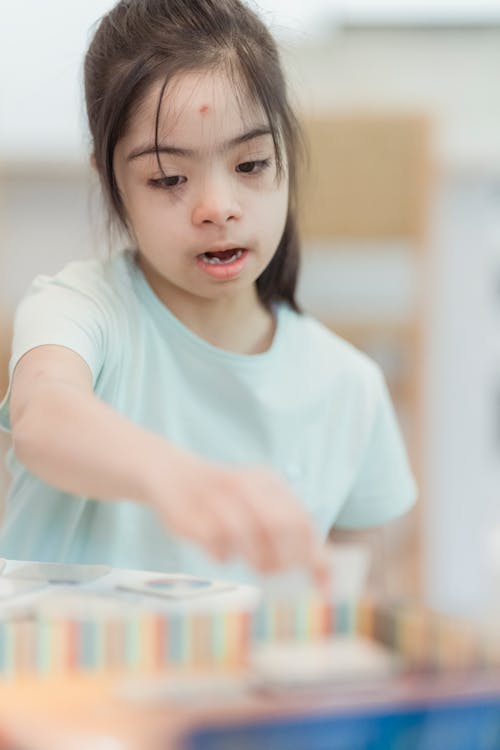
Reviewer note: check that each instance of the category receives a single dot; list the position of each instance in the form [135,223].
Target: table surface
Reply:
[117,712]
[133,714]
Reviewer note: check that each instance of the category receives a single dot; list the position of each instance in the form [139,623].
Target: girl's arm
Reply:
[69,438]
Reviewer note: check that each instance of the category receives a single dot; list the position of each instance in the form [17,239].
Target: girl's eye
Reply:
[168,182]
[253,167]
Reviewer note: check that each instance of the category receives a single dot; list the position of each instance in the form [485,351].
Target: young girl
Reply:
[171,408]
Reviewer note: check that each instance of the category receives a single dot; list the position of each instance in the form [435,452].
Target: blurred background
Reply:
[401,225]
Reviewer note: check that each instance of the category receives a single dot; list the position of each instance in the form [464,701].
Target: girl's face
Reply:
[209,221]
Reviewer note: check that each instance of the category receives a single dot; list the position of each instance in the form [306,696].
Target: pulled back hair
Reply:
[141,42]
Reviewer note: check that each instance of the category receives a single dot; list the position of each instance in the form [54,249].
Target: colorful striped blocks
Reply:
[48,645]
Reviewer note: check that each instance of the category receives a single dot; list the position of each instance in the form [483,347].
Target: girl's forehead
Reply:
[210,102]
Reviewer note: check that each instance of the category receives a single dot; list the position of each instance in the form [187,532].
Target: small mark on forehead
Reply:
[204,109]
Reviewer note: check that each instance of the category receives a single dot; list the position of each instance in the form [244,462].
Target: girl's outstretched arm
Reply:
[69,438]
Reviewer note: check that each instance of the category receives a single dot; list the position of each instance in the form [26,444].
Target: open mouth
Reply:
[223,257]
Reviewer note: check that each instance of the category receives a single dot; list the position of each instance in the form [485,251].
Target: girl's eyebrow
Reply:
[256,132]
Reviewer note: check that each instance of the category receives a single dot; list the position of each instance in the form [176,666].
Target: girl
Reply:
[171,408]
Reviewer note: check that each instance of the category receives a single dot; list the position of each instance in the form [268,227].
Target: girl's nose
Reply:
[216,204]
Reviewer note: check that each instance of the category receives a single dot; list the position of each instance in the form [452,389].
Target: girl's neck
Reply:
[239,331]
[237,323]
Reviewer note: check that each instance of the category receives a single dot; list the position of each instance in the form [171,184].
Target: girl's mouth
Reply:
[224,264]
[224,256]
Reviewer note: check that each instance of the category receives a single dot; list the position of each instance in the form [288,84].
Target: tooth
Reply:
[217,261]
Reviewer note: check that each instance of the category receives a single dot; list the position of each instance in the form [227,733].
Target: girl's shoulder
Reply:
[321,344]
[93,278]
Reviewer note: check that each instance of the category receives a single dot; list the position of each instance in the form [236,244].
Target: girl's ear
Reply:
[93,162]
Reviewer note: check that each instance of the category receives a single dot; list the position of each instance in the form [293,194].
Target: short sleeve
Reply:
[53,312]
[383,487]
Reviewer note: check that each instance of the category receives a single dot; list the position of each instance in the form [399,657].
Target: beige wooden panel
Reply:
[368,176]
[369,181]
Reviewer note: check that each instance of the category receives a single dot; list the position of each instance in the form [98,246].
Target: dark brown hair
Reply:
[141,42]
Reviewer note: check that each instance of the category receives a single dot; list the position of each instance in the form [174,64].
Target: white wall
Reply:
[42,46]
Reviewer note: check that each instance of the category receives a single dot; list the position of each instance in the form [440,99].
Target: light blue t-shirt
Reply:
[312,407]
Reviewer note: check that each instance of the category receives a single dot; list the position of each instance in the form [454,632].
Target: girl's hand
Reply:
[250,513]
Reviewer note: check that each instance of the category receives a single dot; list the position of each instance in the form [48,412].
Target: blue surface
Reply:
[466,724]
